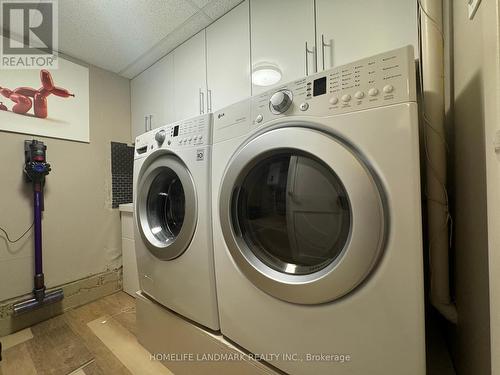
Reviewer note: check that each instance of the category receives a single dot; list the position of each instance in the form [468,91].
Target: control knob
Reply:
[160,137]
[280,101]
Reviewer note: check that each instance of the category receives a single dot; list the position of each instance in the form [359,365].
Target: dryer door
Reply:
[166,205]
[302,215]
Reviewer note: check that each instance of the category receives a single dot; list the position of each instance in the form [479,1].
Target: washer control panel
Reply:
[383,79]
[193,132]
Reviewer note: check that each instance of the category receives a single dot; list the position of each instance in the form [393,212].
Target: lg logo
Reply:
[30,37]
[220,115]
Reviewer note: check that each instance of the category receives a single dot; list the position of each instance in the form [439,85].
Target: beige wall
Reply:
[81,231]
[476,187]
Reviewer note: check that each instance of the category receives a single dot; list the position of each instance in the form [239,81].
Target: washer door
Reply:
[302,215]
[166,206]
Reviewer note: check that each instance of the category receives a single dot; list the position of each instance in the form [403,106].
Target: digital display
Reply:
[176,130]
[319,87]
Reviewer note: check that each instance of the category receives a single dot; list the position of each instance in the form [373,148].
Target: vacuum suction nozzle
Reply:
[31,304]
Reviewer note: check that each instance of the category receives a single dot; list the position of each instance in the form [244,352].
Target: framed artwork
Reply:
[46,102]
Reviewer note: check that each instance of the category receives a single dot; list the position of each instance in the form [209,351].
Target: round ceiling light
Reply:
[266,75]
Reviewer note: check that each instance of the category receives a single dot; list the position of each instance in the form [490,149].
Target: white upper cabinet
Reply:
[348,30]
[279,33]
[151,97]
[140,103]
[291,38]
[190,78]
[228,58]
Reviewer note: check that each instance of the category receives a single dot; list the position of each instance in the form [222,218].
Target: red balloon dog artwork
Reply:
[27,97]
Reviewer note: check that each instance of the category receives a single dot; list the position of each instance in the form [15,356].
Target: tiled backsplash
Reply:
[122,163]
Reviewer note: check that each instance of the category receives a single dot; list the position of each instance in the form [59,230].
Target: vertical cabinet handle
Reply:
[202,102]
[315,59]
[323,45]
[145,123]
[313,51]
[150,122]
[307,61]
[209,101]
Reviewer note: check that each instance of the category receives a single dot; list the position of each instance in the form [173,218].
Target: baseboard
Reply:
[76,293]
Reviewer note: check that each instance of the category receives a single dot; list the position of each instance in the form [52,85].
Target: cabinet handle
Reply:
[145,124]
[315,57]
[323,45]
[202,102]
[308,51]
[150,122]
[307,61]
[209,101]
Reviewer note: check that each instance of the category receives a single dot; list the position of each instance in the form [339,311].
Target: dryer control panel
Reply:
[193,132]
[383,79]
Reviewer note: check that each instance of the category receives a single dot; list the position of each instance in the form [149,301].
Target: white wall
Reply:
[476,173]
[81,233]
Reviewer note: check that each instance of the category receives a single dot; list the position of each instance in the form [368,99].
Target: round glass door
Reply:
[293,212]
[302,215]
[166,206]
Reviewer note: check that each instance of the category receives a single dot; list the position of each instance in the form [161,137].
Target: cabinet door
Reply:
[162,92]
[151,97]
[279,32]
[190,78]
[140,103]
[355,29]
[228,58]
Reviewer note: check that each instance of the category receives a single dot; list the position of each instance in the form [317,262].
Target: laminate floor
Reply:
[100,339]
[67,344]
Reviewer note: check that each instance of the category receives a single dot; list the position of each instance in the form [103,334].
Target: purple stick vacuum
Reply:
[35,169]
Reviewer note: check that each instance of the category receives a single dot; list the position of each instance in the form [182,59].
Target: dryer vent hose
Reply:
[431,38]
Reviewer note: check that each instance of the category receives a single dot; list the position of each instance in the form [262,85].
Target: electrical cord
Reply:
[22,235]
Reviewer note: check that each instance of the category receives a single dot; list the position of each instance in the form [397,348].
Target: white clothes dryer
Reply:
[317,221]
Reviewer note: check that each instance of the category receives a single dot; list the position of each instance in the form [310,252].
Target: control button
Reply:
[388,89]
[259,119]
[160,137]
[195,138]
[359,95]
[169,142]
[333,100]
[346,98]
[304,106]
[201,137]
[373,92]
[280,101]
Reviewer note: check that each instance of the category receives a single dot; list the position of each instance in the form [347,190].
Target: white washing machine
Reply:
[317,221]
[173,230]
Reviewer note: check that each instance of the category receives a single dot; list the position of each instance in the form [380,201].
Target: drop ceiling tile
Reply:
[193,25]
[200,3]
[114,33]
[217,8]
